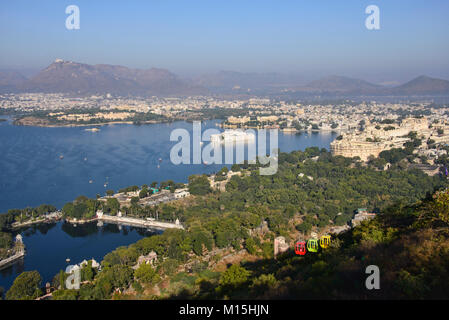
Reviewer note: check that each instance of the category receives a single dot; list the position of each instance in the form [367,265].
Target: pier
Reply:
[6,262]
[135,222]
[20,253]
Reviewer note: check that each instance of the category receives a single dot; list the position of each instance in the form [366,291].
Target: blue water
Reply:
[32,173]
[49,245]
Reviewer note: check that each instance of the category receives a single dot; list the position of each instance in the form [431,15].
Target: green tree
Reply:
[134,201]
[112,206]
[143,193]
[304,227]
[234,276]
[65,295]
[169,266]
[199,185]
[235,168]
[250,246]
[87,272]
[146,274]
[67,209]
[26,286]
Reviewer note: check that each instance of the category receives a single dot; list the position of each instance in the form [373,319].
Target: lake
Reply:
[32,172]
[49,245]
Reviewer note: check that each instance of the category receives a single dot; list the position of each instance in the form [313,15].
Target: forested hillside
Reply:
[222,254]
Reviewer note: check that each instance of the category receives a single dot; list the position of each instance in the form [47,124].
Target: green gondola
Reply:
[312,245]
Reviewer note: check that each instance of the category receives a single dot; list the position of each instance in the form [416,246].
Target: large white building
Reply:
[231,136]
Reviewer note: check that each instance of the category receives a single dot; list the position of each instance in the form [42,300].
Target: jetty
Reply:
[6,262]
[136,222]
[18,255]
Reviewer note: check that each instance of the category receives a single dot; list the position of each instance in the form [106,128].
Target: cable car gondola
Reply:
[312,245]
[300,248]
[325,241]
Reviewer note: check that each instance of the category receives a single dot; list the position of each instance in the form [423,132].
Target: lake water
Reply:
[49,245]
[32,173]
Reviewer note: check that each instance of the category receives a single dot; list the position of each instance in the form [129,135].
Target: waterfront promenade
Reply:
[135,222]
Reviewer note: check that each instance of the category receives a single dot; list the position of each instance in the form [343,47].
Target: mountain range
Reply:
[78,78]
[421,85]
[72,77]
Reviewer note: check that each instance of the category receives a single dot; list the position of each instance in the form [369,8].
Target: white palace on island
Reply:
[231,136]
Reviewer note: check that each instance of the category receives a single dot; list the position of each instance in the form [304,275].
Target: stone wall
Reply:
[353,148]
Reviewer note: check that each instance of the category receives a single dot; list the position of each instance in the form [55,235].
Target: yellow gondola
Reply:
[312,245]
[325,241]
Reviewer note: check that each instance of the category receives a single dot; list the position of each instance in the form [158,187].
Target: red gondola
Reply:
[300,248]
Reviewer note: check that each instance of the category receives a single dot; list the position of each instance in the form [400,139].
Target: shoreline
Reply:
[283,130]
[18,124]
[129,221]
[18,225]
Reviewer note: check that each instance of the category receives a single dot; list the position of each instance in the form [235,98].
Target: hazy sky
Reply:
[188,37]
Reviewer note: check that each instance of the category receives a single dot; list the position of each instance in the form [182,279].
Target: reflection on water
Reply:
[49,245]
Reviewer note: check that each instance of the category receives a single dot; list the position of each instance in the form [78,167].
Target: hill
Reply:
[225,251]
[9,80]
[343,85]
[231,81]
[72,77]
[422,85]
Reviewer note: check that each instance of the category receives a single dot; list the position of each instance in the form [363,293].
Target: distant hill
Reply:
[422,85]
[224,81]
[72,77]
[342,84]
[9,80]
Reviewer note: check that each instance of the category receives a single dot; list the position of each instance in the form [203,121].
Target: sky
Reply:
[309,38]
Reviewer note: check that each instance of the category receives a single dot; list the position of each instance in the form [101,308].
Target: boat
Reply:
[67,260]
[61,157]
[91,181]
